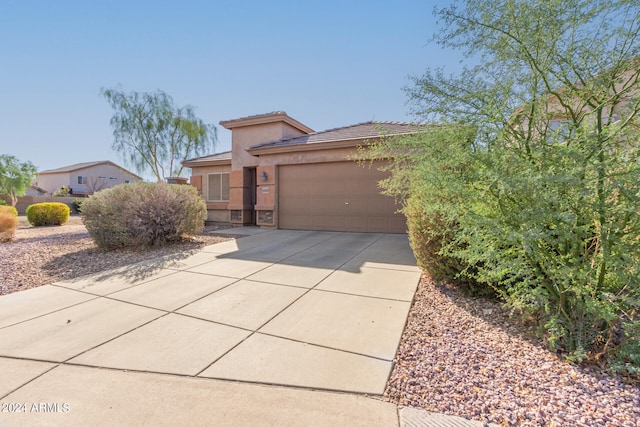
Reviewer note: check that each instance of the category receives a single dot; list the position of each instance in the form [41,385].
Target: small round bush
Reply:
[53,213]
[143,214]
[9,209]
[8,224]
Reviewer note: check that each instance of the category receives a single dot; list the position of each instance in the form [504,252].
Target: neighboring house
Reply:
[607,98]
[282,174]
[85,178]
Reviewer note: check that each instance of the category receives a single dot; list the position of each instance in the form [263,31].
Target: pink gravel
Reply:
[465,356]
[41,255]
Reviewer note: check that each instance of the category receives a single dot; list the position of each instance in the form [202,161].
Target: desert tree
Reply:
[542,204]
[153,135]
[15,176]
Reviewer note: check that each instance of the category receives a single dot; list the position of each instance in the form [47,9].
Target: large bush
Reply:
[8,224]
[53,213]
[9,209]
[545,207]
[143,214]
[430,205]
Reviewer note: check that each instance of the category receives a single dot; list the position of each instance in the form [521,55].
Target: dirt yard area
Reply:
[41,255]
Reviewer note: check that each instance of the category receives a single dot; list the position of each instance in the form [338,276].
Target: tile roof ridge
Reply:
[326,131]
[389,122]
[368,122]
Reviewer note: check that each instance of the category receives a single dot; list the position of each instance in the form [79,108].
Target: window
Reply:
[82,179]
[218,187]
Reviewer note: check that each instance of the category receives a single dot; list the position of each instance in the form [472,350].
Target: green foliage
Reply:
[52,213]
[154,135]
[61,192]
[76,205]
[9,209]
[543,206]
[430,204]
[2,202]
[8,225]
[15,177]
[143,214]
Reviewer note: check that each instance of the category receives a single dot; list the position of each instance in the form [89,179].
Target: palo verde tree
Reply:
[15,176]
[542,203]
[154,135]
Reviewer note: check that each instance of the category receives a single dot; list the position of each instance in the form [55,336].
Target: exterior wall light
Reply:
[264,176]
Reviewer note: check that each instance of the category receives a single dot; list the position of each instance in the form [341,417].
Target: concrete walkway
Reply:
[276,328]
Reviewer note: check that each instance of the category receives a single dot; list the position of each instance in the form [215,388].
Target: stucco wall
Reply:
[52,182]
[112,176]
[248,136]
[217,211]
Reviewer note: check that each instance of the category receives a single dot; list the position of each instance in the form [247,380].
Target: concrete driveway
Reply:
[276,328]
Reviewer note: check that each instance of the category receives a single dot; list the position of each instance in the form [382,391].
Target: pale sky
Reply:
[327,64]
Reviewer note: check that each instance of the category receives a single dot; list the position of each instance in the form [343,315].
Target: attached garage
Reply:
[283,174]
[335,196]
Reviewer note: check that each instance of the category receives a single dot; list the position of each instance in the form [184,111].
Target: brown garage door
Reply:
[338,196]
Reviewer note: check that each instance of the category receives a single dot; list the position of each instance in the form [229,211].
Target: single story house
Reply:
[85,178]
[281,174]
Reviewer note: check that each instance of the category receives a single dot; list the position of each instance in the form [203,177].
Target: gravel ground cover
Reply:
[41,255]
[466,356]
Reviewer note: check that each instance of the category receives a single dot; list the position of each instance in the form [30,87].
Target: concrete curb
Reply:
[412,417]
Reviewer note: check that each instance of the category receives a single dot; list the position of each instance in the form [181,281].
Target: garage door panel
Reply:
[329,222]
[323,205]
[337,196]
[299,222]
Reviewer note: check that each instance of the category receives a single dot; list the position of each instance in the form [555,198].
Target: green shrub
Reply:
[9,209]
[53,213]
[76,205]
[8,224]
[61,192]
[552,230]
[3,202]
[143,214]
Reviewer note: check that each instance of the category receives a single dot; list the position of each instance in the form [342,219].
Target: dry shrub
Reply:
[9,209]
[8,224]
[143,214]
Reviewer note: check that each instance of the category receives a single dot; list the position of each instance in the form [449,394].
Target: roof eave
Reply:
[195,164]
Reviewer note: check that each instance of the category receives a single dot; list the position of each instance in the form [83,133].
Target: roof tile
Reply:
[372,129]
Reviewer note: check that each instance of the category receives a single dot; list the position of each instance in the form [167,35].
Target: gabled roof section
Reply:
[274,117]
[212,159]
[78,166]
[357,132]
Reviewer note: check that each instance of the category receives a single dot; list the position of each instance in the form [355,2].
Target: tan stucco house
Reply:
[85,178]
[281,174]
